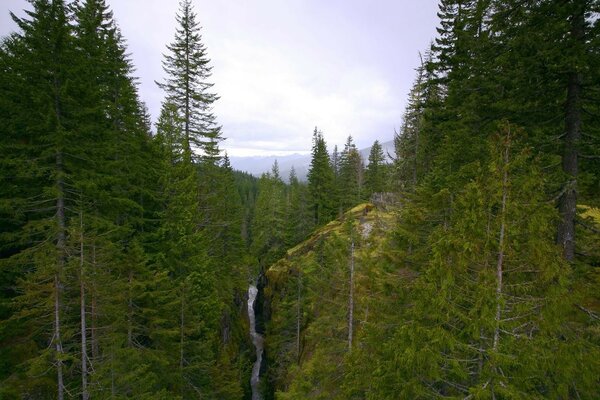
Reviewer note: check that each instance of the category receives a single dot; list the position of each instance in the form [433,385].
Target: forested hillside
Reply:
[467,268]
[123,271]
[482,281]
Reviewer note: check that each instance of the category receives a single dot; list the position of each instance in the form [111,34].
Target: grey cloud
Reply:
[282,67]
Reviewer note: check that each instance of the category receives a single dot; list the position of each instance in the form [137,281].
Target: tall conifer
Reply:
[186,86]
[376,172]
[321,181]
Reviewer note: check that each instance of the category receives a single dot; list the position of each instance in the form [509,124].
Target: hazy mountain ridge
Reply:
[257,165]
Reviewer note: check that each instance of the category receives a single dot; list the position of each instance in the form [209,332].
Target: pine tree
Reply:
[350,182]
[114,192]
[321,181]
[41,68]
[299,218]
[187,68]
[183,255]
[407,141]
[490,294]
[269,218]
[566,70]
[376,172]
[247,186]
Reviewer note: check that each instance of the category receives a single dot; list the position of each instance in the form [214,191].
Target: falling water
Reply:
[257,340]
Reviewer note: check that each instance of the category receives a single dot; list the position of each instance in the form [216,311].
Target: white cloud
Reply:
[282,67]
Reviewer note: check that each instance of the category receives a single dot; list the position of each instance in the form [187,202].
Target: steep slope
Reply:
[345,322]
[316,303]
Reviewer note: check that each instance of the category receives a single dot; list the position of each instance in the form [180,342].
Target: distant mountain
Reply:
[388,150]
[301,162]
[261,164]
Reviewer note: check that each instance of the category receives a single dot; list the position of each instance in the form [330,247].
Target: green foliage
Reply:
[187,87]
[351,176]
[467,327]
[321,181]
[247,187]
[469,297]
[307,336]
[124,258]
[269,224]
[415,144]
[377,171]
[102,227]
[299,218]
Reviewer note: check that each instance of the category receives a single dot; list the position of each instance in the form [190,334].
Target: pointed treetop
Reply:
[188,70]
[275,170]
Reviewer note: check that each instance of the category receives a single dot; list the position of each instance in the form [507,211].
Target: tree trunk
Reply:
[568,201]
[84,356]
[351,299]
[298,316]
[113,387]
[61,248]
[130,311]
[181,330]
[94,309]
[500,260]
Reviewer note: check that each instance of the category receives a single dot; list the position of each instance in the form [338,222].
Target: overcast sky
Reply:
[283,66]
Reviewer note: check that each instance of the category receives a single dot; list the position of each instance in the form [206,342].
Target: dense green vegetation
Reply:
[123,270]
[482,278]
[467,268]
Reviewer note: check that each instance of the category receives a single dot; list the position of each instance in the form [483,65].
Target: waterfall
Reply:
[257,340]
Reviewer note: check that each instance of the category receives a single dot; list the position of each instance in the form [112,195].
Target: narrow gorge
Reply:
[257,341]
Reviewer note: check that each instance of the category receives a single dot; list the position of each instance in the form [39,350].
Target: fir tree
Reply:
[187,68]
[321,181]
[299,218]
[407,141]
[269,218]
[184,257]
[376,172]
[41,57]
[350,182]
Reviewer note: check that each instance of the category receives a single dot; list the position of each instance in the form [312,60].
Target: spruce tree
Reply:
[321,181]
[269,218]
[192,310]
[490,300]
[42,135]
[299,218]
[408,142]
[351,177]
[186,86]
[376,172]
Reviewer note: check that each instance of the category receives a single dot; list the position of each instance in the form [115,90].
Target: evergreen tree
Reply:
[40,65]
[350,182]
[187,68]
[321,181]
[335,166]
[566,37]
[299,218]
[114,192]
[247,186]
[217,222]
[484,302]
[269,223]
[93,197]
[376,172]
[193,309]
[407,141]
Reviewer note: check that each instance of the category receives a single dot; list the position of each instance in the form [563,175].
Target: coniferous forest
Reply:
[465,265]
